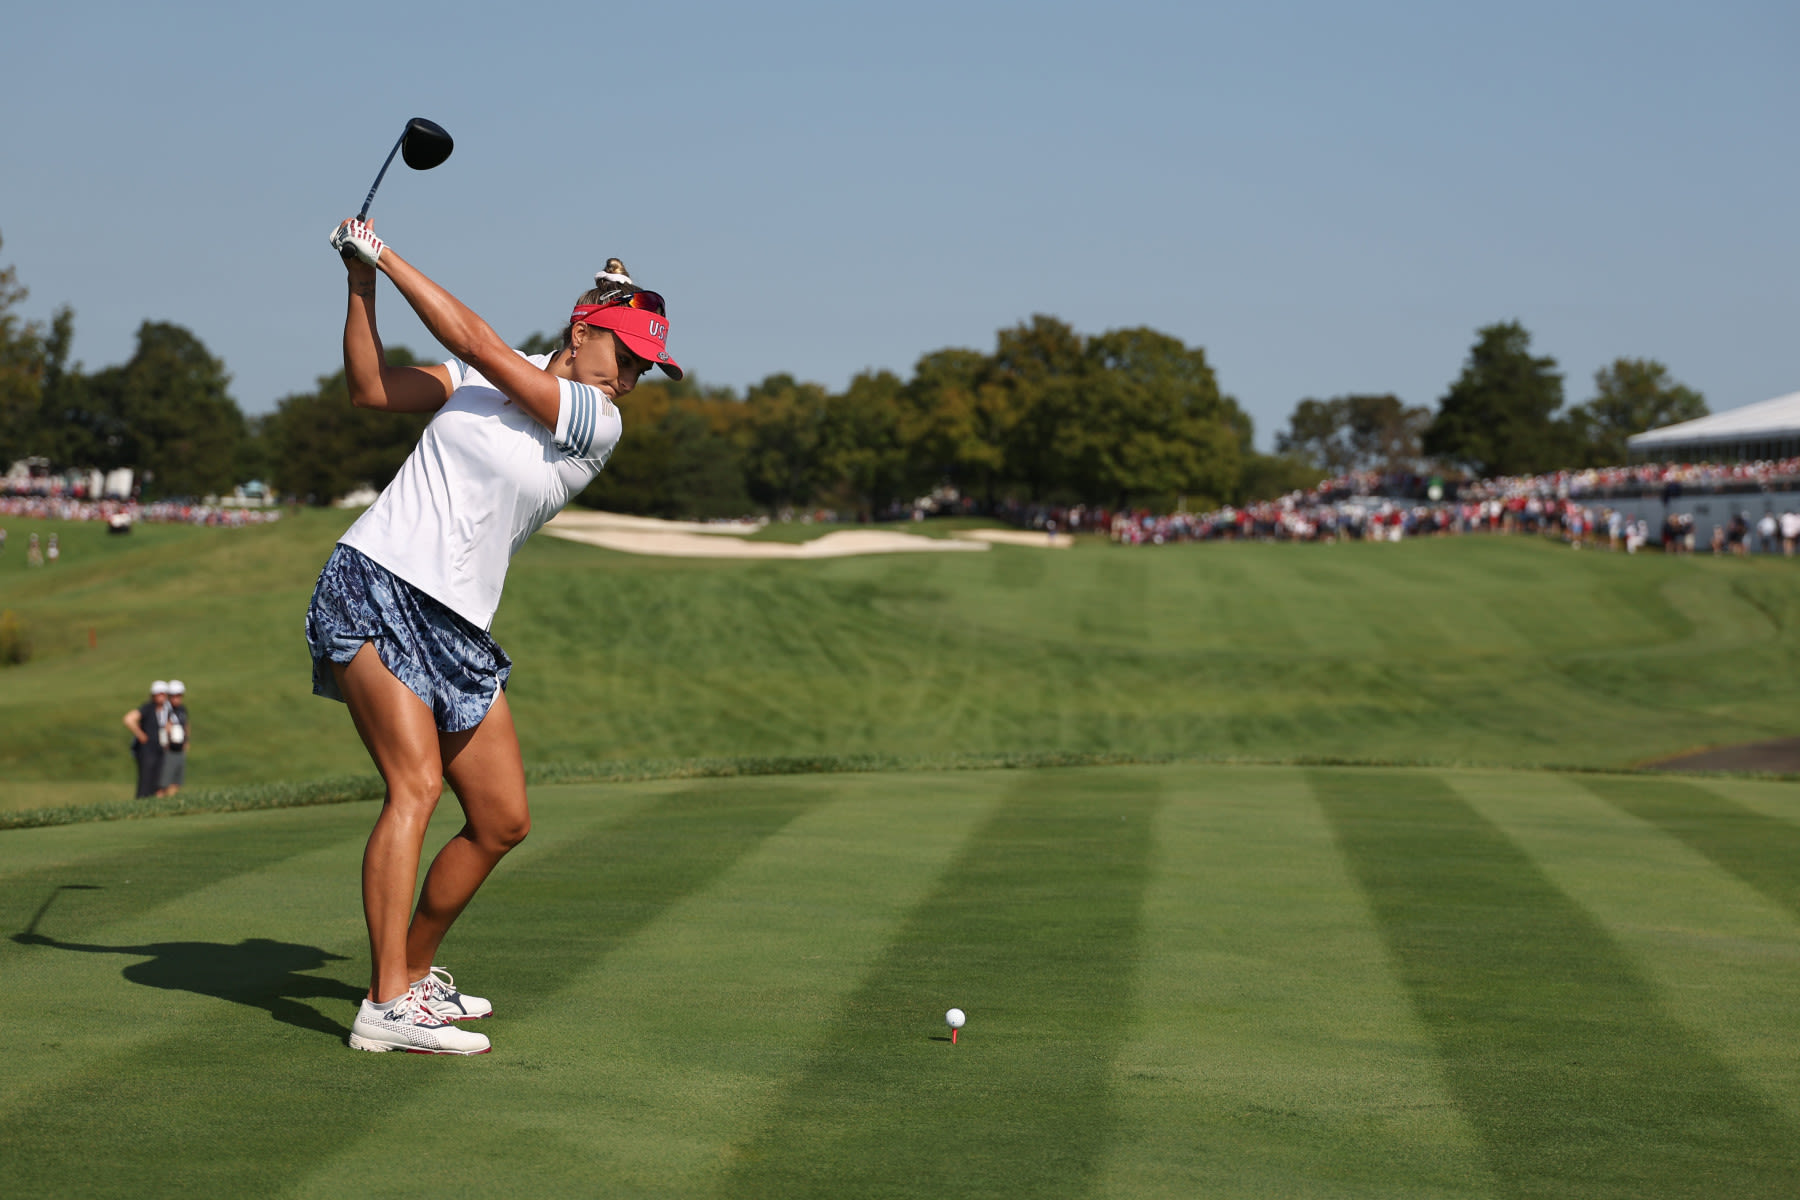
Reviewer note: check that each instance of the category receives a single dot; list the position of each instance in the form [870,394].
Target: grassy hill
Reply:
[1181,978]
[1473,651]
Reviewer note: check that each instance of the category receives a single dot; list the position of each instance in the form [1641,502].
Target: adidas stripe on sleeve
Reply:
[583,408]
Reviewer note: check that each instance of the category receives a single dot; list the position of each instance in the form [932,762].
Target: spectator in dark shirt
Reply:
[146,725]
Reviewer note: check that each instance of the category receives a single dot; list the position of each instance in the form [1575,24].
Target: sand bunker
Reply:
[724,539]
[589,521]
[1019,537]
[691,539]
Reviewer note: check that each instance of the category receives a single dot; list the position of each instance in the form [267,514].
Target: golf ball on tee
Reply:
[954,1018]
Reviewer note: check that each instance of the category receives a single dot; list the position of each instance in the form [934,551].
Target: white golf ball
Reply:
[954,1018]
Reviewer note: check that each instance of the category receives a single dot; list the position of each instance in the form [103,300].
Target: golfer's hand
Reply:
[357,239]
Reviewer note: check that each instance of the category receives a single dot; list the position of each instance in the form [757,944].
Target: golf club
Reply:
[423,144]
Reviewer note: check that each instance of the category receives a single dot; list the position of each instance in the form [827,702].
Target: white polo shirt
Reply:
[484,477]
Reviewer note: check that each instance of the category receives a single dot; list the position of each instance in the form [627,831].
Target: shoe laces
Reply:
[412,1009]
[435,988]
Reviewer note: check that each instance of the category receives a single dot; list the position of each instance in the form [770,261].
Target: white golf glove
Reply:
[357,238]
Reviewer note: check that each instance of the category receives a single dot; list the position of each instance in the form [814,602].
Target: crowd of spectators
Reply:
[1375,506]
[37,501]
[121,513]
[1640,479]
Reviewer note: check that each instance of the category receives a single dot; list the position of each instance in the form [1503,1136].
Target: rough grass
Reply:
[1470,651]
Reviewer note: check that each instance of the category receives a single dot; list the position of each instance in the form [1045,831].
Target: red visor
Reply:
[644,331]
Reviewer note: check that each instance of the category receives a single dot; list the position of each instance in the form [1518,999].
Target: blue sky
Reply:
[1328,197]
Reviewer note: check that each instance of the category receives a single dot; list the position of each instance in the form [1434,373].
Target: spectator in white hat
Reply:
[173,772]
[146,725]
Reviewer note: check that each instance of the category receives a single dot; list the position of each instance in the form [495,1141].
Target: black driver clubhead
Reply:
[425,144]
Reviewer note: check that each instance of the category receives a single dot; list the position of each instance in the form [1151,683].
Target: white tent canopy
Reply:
[1770,429]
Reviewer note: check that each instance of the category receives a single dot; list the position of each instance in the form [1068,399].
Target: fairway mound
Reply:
[1778,757]
[1019,537]
[691,539]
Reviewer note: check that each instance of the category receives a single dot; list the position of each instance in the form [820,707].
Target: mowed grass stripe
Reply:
[1274,1054]
[1759,849]
[1778,800]
[553,918]
[1725,960]
[1034,931]
[1558,1052]
[265,977]
[644,1071]
[283,939]
[100,874]
[236,1103]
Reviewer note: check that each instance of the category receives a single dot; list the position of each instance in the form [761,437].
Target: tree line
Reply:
[166,412]
[1125,418]
[1503,415]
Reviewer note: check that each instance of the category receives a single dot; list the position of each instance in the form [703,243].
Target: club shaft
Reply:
[370,198]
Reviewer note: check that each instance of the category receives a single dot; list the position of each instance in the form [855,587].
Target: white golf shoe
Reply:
[411,1026]
[438,990]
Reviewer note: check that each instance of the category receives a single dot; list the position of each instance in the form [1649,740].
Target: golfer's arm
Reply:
[133,722]
[372,383]
[474,341]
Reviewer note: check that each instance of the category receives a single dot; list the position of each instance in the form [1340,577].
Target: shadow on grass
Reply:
[257,972]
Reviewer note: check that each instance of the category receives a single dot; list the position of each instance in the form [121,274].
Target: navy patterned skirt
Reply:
[455,668]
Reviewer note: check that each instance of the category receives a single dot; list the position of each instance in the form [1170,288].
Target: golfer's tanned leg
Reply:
[488,775]
[402,738]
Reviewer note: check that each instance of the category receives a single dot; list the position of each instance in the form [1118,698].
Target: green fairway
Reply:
[1181,981]
[1490,651]
[723,973]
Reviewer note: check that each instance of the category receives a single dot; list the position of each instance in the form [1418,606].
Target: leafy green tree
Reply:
[1039,367]
[783,437]
[1385,434]
[677,457]
[1355,433]
[63,398]
[864,457]
[255,458]
[1241,424]
[1268,476]
[1499,417]
[956,421]
[167,412]
[321,446]
[1630,396]
[1315,434]
[1148,421]
[21,374]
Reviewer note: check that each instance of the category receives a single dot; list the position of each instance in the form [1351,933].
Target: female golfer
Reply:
[399,622]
